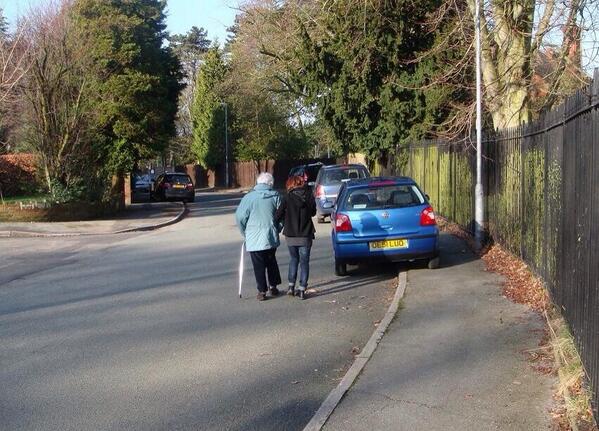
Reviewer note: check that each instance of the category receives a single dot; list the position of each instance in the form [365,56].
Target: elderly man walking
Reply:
[256,220]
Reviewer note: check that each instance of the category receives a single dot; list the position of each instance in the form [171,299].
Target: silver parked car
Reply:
[329,181]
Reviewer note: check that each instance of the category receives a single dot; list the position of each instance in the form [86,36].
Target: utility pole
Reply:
[479,210]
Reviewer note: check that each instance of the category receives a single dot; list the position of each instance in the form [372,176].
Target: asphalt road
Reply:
[146,332]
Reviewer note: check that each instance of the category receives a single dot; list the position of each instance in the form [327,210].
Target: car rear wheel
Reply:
[340,268]
[434,263]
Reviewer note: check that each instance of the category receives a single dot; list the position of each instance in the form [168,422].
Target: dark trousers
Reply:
[265,262]
[300,256]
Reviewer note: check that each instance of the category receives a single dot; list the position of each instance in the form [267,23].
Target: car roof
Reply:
[347,165]
[374,181]
[307,165]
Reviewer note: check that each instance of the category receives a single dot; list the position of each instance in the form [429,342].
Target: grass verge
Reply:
[576,408]
[12,200]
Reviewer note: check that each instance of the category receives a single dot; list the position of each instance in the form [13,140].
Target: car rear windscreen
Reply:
[335,176]
[312,172]
[384,197]
[178,179]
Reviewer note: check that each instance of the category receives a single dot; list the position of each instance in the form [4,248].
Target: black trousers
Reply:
[265,262]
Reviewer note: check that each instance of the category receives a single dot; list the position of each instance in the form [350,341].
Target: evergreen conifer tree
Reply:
[207,112]
[135,78]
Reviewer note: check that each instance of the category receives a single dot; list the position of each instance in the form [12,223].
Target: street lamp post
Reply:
[478,190]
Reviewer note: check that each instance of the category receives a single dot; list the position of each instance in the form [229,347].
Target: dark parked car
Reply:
[177,187]
[309,172]
[329,181]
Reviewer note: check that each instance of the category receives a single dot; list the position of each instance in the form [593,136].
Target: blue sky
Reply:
[214,15]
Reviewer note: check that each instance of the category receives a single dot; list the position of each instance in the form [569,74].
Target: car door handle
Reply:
[387,227]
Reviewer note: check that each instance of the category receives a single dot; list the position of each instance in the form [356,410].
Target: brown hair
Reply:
[294,182]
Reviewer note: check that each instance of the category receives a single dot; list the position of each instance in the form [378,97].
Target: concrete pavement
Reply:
[453,359]
[144,331]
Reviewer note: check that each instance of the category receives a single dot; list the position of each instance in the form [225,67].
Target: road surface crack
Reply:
[400,400]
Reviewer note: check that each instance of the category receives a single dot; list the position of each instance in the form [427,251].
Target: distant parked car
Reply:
[329,181]
[383,219]
[309,172]
[142,183]
[174,187]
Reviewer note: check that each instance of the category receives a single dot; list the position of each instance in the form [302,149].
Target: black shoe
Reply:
[302,295]
[274,291]
[261,296]
[291,291]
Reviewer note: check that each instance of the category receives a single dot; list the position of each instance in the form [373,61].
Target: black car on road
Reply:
[174,187]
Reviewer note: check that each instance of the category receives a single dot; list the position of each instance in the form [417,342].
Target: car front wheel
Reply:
[340,268]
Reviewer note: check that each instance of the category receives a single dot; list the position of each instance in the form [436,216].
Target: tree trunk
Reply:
[506,60]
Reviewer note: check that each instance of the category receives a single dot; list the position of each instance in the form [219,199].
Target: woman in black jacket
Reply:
[296,212]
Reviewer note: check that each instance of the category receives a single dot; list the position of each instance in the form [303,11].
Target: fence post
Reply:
[543,125]
[520,140]
[438,202]
[411,161]
[452,181]
[594,277]
[424,160]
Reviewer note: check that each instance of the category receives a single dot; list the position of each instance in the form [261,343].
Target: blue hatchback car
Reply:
[386,219]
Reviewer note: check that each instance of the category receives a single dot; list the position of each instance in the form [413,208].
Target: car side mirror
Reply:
[328,205]
[428,198]
[311,183]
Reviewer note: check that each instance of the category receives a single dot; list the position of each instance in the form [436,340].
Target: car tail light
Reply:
[427,217]
[190,186]
[167,185]
[320,192]
[342,223]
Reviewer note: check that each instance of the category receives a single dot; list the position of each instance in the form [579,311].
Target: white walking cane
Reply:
[241,267]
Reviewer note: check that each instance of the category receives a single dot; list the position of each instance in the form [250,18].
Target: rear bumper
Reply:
[179,194]
[421,247]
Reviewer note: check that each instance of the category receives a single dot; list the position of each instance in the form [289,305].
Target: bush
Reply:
[17,174]
[62,194]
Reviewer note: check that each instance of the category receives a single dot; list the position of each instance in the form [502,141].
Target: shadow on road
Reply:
[361,276]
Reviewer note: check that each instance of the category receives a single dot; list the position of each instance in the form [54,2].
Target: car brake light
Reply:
[427,217]
[167,185]
[190,186]
[342,223]
[320,192]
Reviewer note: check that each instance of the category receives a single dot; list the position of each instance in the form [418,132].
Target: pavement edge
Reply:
[335,396]
[26,234]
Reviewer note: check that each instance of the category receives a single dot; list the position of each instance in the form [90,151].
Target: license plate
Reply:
[178,186]
[389,244]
